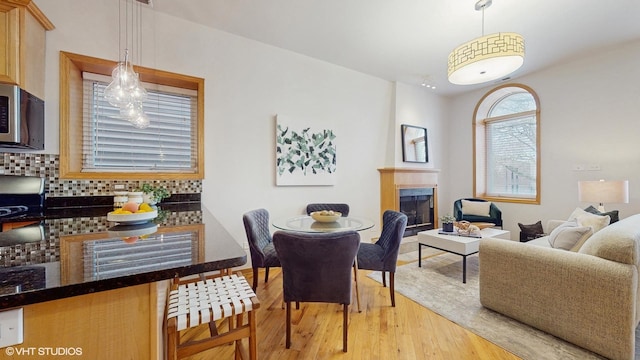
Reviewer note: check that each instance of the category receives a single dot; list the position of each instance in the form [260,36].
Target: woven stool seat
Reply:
[199,302]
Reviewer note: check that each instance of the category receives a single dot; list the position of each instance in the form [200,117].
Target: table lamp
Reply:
[612,191]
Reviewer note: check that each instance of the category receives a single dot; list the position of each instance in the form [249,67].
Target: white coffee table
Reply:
[459,245]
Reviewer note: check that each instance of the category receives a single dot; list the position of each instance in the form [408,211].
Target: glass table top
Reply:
[305,223]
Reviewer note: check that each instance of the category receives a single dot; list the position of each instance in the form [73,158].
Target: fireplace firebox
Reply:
[417,204]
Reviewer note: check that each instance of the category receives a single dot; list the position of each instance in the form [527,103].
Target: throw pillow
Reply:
[532,231]
[597,222]
[569,236]
[479,208]
[613,214]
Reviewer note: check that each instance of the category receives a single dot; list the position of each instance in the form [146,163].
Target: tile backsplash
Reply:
[48,166]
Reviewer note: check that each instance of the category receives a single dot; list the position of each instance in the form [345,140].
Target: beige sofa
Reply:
[588,297]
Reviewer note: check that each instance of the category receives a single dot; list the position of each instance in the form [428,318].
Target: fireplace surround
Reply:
[413,191]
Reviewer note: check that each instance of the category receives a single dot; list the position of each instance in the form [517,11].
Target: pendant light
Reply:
[486,58]
[125,90]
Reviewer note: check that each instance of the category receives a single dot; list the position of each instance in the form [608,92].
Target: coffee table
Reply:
[459,245]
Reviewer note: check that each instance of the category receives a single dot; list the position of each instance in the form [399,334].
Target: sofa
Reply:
[586,294]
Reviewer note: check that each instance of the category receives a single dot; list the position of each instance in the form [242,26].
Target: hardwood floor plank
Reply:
[408,331]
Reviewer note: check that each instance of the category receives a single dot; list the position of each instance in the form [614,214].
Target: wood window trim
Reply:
[71,68]
[479,124]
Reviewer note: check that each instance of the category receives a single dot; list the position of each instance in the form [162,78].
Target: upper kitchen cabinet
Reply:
[22,45]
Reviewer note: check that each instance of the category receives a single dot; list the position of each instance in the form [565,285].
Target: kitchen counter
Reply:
[75,252]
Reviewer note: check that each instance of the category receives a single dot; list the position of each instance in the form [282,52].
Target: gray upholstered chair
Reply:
[342,208]
[383,255]
[495,215]
[316,267]
[263,254]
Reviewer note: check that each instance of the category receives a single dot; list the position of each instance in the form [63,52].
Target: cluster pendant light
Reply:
[125,90]
[486,58]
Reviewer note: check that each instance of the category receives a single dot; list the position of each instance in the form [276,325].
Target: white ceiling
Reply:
[410,40]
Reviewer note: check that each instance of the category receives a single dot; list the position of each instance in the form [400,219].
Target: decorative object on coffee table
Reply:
[447,222]
[483,225]
[466,228]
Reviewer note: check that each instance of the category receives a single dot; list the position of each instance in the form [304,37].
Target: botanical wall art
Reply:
[305,155]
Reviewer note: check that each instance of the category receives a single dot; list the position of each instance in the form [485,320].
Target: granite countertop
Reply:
[78,251]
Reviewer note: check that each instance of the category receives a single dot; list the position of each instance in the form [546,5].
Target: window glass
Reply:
[114,144]
[95,143]
[513,104]
[506,142]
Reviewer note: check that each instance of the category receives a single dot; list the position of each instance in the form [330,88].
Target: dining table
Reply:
[305,223]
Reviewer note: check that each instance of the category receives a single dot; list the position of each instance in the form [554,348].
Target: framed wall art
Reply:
[305,153]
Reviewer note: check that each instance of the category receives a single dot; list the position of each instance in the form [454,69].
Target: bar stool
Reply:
[195,302]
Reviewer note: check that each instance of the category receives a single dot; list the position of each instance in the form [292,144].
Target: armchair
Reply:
[495,214]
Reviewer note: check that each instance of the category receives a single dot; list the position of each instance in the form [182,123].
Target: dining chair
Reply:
[263,253]
[316,267]
[342,208]
[383,254]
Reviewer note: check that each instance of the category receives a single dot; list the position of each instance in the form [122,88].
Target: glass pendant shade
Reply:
[125,90]
[141,121]
[131,111]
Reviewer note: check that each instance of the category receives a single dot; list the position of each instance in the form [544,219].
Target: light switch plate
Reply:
[11,327]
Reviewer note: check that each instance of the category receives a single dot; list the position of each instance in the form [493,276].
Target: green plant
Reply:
[157,193]
[447,219]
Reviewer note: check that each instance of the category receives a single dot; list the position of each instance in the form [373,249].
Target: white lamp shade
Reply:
[601,192]
[486,58]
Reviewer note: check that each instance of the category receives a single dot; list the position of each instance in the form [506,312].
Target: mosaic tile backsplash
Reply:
[48,166]
[48,250]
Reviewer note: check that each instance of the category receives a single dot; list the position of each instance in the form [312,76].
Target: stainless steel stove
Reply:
[21,196]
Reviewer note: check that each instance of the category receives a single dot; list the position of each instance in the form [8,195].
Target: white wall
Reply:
[590,111]
[589,115]
[246,84]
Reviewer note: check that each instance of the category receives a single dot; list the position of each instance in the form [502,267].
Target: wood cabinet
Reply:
[124,323]
[22,45]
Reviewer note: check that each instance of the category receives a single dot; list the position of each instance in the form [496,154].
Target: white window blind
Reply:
[105,259]
[111,143]
[511,156]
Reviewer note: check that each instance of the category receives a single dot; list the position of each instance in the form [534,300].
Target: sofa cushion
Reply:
[617,242]
[597,222]
[613,214]
[569,236]
[479,208]
[530,231]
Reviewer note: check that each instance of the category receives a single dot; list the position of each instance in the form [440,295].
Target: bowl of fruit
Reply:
[326,216]
[133,213]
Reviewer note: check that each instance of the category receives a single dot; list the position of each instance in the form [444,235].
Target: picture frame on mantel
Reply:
[415,146]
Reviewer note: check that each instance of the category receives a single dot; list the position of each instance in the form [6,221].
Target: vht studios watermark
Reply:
[43,351]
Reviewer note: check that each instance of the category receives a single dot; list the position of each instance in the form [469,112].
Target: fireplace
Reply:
[413,192]
[417,204]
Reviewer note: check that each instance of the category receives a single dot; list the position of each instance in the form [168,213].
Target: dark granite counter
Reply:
[70,252]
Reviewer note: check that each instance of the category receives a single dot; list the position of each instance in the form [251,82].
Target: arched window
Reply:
[506,127]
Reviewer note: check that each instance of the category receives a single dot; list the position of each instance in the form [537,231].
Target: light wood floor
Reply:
[408,331]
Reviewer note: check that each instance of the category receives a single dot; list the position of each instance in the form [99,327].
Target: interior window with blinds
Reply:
[111,143]
[506,143]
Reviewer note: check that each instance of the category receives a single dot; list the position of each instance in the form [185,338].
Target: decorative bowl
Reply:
[132,219]
[326,216]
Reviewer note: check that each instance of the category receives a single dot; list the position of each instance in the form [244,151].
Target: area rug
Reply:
[438,286]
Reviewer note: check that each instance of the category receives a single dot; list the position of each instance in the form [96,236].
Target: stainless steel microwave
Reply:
[21,119]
